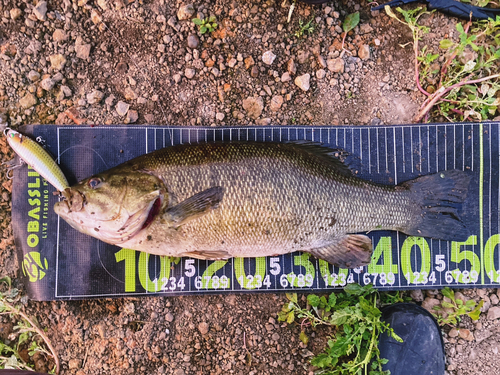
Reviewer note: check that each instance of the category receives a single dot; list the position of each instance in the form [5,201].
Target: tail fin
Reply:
[440,196]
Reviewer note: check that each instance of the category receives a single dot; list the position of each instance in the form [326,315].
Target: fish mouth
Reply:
[154,210]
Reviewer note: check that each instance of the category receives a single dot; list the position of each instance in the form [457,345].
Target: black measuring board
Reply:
[58,262]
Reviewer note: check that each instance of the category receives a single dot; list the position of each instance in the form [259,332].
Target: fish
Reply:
[251,199]
[36,157]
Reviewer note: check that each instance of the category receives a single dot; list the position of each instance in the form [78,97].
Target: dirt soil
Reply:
[145,62]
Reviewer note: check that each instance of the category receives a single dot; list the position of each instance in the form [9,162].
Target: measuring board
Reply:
[60,263]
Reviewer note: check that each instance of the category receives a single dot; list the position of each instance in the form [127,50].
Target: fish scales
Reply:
[277,198]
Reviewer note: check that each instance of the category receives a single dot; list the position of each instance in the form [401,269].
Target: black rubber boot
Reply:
[422,349]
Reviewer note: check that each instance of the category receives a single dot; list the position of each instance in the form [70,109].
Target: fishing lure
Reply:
[34,155]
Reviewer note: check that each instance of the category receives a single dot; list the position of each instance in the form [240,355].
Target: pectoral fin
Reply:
[195,206]
[348,251]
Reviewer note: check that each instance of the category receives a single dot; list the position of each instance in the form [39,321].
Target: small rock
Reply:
[110,100]
[33,76]
[103,4]
[59,35]
[95,97]
[57,61]
[466,334]
[40,11]
[177,77]
[74,363]
[320,74]
[417,295]
[129,94]
[365,29]
[169,317]
[66,91]
[82,51]
[220,116]
[429,304]
[203,327]
[494,313]
[185,12]
[276,103]
[189,73]
[268,57]
[285,77]
[193,41]
[249,62]
[494,299]
[132,116]
[263,121]
[275,336]
[122,108]
[453,332]
[336,65]
[303,81]
[179,371]
[253,106]
[302,56]
[47,84]
[254,72]
[291,68]
[96,17]
[15,13]
[232,63]
[364,52]
[161,48]
[28,101]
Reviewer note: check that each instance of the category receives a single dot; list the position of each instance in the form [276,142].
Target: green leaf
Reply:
[313,300]
[447,292]
[350,22]
[445,44]
[332,300]
[197,21]
[303,337]
[291,297]
[290,318]
[203,29]
[212,19]
[447,305]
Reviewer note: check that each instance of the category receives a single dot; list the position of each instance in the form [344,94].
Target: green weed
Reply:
[353,348]
[27,334]
[465,84]
[206,24]
[303,28]
[451,312]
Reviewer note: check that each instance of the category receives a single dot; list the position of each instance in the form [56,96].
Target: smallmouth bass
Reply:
[223,200]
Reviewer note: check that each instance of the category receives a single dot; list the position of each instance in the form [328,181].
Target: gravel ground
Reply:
[144,62]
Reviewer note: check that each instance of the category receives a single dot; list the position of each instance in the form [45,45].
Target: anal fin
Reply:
[348,251]
[207,254]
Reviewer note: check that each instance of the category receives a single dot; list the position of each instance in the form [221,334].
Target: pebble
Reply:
[220,116]
[59,35]
[268,57]
[66,91]
[276,103]
[249,62]
[15,13]
[129,94]
[122,108]
[494,313]
[28,101]
[417,295]
[189,73]
[494,299]
[254,72]
[285,77]
[110,100]
[303,81]
[74,363]
[95,97]
[291,68]
[82,51]
[132,116]
[320,74]
[177,77]
[364,52]
[429,304]
[185,12]
[33,76]
[336,65]
[103,4]
[203,327]
[40,11]
[47,84]
[57,61]
[193,41]
[169,317]
[253,106]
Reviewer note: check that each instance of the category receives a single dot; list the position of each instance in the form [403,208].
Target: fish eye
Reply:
[94,182]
